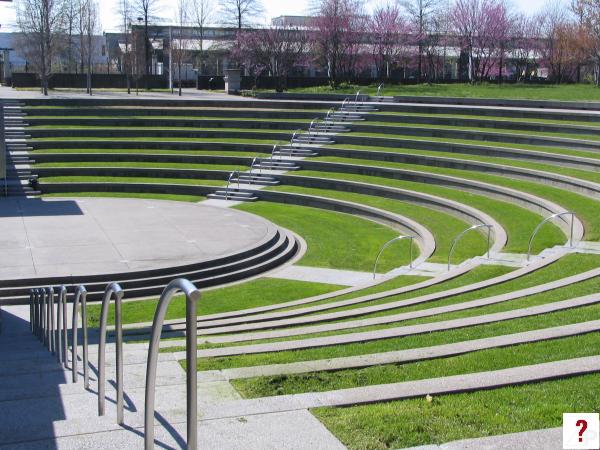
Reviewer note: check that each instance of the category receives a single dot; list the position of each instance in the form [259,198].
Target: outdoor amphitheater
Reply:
[297,271]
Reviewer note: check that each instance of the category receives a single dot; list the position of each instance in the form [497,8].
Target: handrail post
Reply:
[45,317]
[80,296]
[192,296]
[31,310]
[38,315]
[62,303]
[547,219]
[111,289]
[387,244]
[459,237]
[58,334]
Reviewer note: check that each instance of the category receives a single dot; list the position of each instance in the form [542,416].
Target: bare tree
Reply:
[40,21]
[240,13]
[71,16]
[179,45]
[589,16]
[90,26]
[201,13]
[126,65]
[421,13]
[146,9]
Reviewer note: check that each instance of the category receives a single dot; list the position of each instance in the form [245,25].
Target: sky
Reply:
[273,8]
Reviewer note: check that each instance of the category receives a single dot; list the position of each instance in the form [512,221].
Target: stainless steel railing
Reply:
[379,89]
[192,295]
[235,172]
[111,289]
[80,298]
[387,244]
[459,237]
[547,219]
[3,151]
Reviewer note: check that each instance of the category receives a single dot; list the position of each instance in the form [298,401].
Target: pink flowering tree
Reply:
[272,51]
[389,32]
[338,37]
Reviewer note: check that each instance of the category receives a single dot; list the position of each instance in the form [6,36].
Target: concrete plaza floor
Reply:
[57,237]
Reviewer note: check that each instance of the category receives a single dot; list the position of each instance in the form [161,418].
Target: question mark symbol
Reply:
[583,424]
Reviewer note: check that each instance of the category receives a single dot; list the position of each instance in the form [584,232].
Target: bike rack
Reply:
[192,295]
[80,297]
[547,219]
[387,244]
[474,227]
[111,289]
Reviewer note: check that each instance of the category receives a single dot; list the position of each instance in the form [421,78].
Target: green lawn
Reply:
[336,240]
[259,292]
[570,92]
[443,226]
[480,361]
[415,422]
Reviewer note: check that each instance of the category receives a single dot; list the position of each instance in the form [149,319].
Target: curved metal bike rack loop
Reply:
[80,297]
[387,244]
[111,289]
[459,237]
[547,219]
[192,295]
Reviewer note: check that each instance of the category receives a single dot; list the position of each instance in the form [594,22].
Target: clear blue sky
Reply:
[273,8]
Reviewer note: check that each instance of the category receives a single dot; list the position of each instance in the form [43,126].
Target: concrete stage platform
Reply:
[88,236]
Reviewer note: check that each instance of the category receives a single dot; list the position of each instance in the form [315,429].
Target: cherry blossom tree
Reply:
[389,32]
[338,37]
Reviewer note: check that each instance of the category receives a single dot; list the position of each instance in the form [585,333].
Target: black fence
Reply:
[99,81]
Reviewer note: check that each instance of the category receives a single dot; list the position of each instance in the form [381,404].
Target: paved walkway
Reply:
[322,275]
[57,237]
[548,439]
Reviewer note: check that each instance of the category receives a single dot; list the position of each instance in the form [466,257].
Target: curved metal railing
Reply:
[296,133]
[387,244]
[235,172]
[547,219]
[356,98]
[459,237]
[50,320]
[344,103]
[111,289]
[192,295]
[80,297]
[329,115]
[275,147]
[60,334]
[379,89]
[44,317]
[254,162]
[31,312]
[312,126]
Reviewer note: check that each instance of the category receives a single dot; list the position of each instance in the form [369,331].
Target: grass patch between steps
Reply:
[443,226]
[336,240]
[479,361]
[407,423]
[254,293]
[559,318]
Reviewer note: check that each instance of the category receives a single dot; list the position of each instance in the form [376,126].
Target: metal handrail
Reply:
[254,161]
[296,133]
[37,312]
[111,289]
[44,317]
[379,88]
[62,304]
[356,98]
[474,227]
[346,100]
[313,125]
[387,244]
[3,151]
[51,323]
[192,295]
[57,331]
[273,152]
[31,313]
[80,297]
[547,219]
[329,114]
[229,182]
